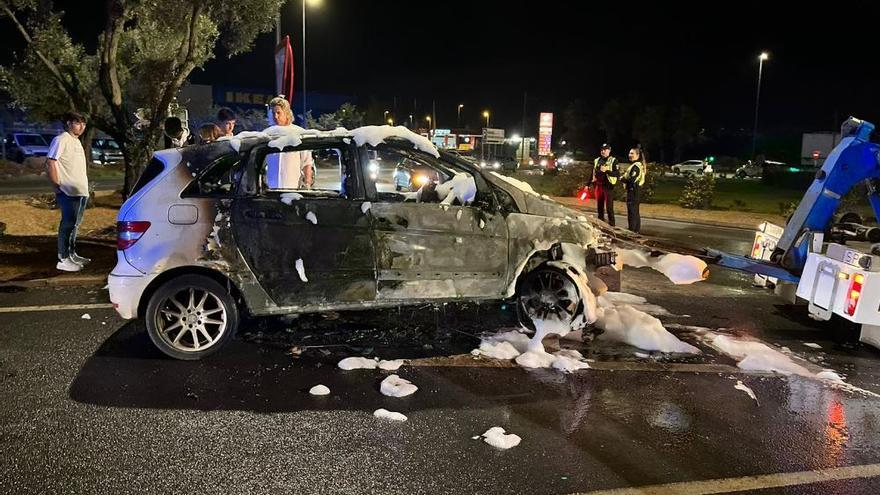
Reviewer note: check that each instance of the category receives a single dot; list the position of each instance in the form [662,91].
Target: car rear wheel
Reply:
[191,317]
[547,292]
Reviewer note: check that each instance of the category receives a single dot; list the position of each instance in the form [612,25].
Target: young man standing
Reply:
[226,121]
[605,174]
[66,164]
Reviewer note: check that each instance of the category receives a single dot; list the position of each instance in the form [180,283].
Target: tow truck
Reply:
[832,264]
[811,256]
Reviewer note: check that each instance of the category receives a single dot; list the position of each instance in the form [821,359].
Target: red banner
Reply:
[284,69]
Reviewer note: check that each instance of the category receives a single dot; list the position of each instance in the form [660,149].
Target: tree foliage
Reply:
[145,52]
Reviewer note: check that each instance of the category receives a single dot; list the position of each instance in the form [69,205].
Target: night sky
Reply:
[823,60]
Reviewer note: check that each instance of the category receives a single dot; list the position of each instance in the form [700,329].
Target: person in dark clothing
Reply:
[633,179]
[176,134]
[605,174]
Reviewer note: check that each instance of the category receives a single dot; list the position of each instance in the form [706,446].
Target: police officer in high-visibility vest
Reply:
[605,175]
[633,179]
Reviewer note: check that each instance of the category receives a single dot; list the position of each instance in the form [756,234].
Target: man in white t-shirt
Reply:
[66,166]
[290,170]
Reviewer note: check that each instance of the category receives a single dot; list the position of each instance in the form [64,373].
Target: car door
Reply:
[308,246]
[426,250]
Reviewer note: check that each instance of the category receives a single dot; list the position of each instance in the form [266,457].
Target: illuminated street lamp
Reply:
[460,106]
[390,121]
[486,114]
[761,58]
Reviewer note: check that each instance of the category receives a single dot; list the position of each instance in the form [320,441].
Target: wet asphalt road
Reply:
[87,406]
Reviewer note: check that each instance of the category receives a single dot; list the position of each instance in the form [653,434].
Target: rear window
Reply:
[154,168]
[30,140]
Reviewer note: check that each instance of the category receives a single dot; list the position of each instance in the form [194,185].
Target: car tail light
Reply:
[128,233]
[756,249]
[855,293]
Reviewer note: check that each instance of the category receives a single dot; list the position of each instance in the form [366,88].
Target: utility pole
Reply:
[522,155]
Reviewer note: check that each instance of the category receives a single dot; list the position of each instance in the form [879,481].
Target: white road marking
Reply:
[760,482]
[58,307]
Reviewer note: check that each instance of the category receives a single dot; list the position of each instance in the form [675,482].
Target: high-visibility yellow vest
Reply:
[610,162]
[640,180]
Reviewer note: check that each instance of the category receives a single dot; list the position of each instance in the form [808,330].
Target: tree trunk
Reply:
[137,154]
[87,137]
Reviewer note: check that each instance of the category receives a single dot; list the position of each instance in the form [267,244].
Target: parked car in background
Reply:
[691,167]
[106,151]
[749,169]
[757,168]
[566,160]
[21,145]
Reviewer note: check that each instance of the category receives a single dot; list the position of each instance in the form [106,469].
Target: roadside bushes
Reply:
[577,177]
[650,187]
[698,192]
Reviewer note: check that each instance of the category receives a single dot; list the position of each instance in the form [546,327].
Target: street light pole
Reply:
[305,93]
[486,114]
[761,58]
[458,121]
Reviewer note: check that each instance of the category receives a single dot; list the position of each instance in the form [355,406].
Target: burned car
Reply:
[207,235]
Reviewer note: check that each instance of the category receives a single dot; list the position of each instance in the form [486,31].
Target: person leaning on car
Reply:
[605,174]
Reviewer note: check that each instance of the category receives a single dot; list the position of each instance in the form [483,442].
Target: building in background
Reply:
[816,146]
[200,98]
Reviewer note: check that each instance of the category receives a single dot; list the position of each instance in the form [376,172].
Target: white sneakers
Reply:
[68,265]
[79,260]
[74,263]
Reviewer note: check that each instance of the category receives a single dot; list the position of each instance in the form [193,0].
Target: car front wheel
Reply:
[191,317]
[547,292]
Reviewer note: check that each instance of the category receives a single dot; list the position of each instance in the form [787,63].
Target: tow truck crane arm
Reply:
[856,159]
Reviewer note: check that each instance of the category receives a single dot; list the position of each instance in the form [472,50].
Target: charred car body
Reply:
[206,236]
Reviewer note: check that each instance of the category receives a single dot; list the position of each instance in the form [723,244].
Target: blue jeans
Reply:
[72,208]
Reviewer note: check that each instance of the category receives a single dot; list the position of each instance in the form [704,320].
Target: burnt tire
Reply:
[191,317]
[547,291]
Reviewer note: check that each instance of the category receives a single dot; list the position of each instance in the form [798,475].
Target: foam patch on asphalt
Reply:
[319,390]
[358,363]
[498,438]
[395,386]
[389,415]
